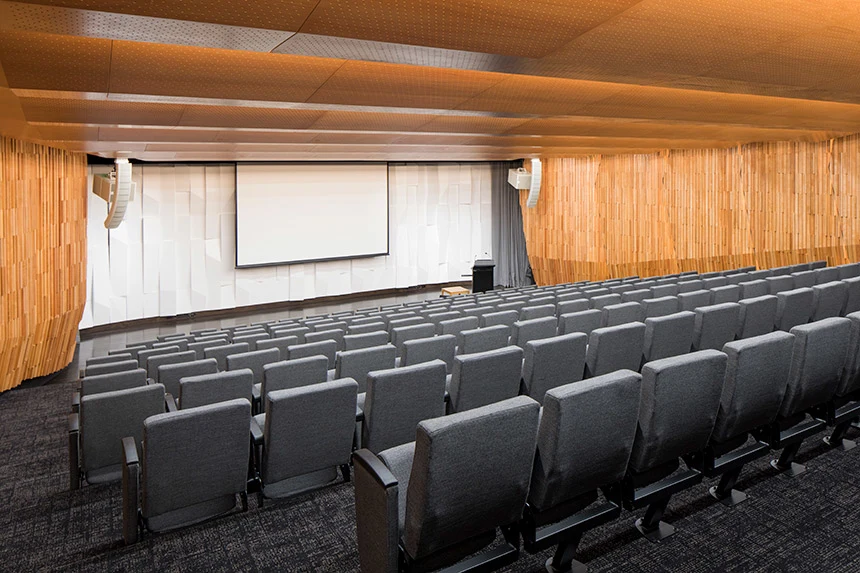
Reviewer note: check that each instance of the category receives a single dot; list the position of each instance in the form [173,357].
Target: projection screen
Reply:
[307,212]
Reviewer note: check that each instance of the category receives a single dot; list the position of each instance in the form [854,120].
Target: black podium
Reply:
[482,275]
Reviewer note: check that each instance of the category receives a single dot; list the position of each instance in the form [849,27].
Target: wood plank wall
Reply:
[43,242]
[766,204]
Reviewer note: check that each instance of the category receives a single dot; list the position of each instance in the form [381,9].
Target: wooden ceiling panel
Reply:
[155,134]
[472,124]
[356,138]
[249,117]
[48,61]
[240,136]
[68,110]
[369,121]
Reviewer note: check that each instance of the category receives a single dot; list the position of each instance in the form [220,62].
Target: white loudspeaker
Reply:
[117,189]
[522,179]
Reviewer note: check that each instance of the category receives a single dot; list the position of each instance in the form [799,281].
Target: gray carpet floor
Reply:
[804,524]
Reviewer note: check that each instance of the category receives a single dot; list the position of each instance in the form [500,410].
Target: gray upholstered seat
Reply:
[483,339]
[598,302]
[181,343]
[401,334]
[195,391]
[457,325]
[254,361]
[638,295]
[752,289]
[328,325]
[616,314]
[404,321]
[757,316]
[804,279]
[169,375]
[207,446]
[367,327]
[793,308]
[441,347]
[553,362]
[133,350]
[660,306]
[356,364]
[664,290]
[292,374]
[728,293]
[759,275]
[737,278]
[826,275]
[220,353]
[113,381]
[690,286]
[852,299]
[153,363]
[366,340]
[307,436]
[670,335]
[778,284]
[327,348]
[614,348]
[538,311]
[848,271]
[715,325]
[297,331]
[200,347]
[714,282]
[334,334]
[567,306]
[398,399]
[104,419]
[525,330]
[506,317]
[584,321]
[251,339]
[485,377]
[442,497]
[691,300]
[281,343]
[828,299]
[110,367]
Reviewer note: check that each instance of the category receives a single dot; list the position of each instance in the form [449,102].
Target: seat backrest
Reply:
[200,347]
[585,437]
[113,381]
[297,331]
[327,348]
[690,286]
[637,295]
[817,265]
[483,339]
[367,327]
[335,334]
[852,300]
[398,399]
[404,321]
[553,362]
[170,374]
[110,368]
[356,364]
[760,274]
[442,347]
[660,306]
[755,382]
[217,387]
[153,363]
[209,448]
[308,429]
[752,289]
[817,359]
[670,335]
[488,454]
[366,340]
[680,400]
[614,348]
[850,380]
[828,299]
[826,275]
[849,271]
[691,300]
[598,302]
[539,311]
[438,317]
[133,350]
[793,307]
[778,284]
[525,330]
[616,314]
[664,290]
[714,282]
[485,377]
[506,317]
[281,343]
[401,334]
[715,325]
[584,321]
[293,374]
[757,316]
[457,325]
[108,417]
[251,339]
[802,267]
[804,279]
[179,342]
[254,361]
[220,353]
[329,325]
[737,278]
[110,358]
[728,293]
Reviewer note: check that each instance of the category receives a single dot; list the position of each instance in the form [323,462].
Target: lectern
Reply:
[482,275]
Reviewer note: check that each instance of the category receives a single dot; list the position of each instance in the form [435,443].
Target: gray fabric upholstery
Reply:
[251,339]
[757,316]
[438,317]
[664,290]
[828,299]
[850,380]
[738,278]
[297,331]
[692,300]
[133,350]
[601,301]
[144,355]
[483,339]
[200,347]
[715,325]
[553,362]
[849,271]
[180,342]
[322,335]
[615,348]
[400,335]
[170,374]
[817,265]
[404,321]
[585,437]
[539,311]
[108,417]
[292,374]
[525,330]
[195,391]
[670,335]
[281,343]
[508,318]
[637,295]
[209,448]
[584,321]
[779,284]
[153,363]
[110,368]
[728,293]
[398,399]
[660,306]
[327,348]
[760,275]
[367,327]
[818,356]
[457,325]
[714,282]
[623,313]
[690,286]
[752,289]
[254,361]
[680,401]
[113,381]
[793,308]
[852,301]
[441,347]
[367,340]
[485,377]
[329,325]
[470,474]
[220,353]
[804,279]
[307,433]
[826,275]
[356,364]
[755,382]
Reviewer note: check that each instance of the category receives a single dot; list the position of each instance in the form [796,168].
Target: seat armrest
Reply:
[74,422]
[374,468]
[150,381]
[76,400]
[256,404]
[169,402]
[256,433]
[376,513]
[130,485]
[74,451]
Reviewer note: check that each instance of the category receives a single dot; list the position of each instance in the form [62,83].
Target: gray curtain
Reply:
[509,241]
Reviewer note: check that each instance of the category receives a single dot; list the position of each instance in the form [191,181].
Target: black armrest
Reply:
[374,467]
[169,402]
[74,423]
[130,485]
[76,401]
[74,451]
[129,451]
[256,433]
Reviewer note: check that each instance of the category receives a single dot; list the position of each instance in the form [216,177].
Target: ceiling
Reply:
[223,80]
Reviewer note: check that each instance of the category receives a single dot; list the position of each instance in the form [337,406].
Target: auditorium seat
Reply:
[598,302]
[255,362]
[398,399]
[297,331]
[133,350]
[690,286]
[204,389]
[181,343]
[457,325]
[794,307]
[848,271]
[817,265]
[335,334]
[709,283]
[828,299]
[193,464]
[728,293]
[537,311]
[622,313]
[281,343]
[778,284]
[637,295]
[288,374]
[660,306]
[844,408]
[484,378]
[366,340]
[435,501]
[154,362]
[670,335]
[367,327]
[757,316]
[584,321]
[752,289]
[680,400]
[251,339]
[421,350]
[169,375]
[401,334]
[327,348]
[110,367]
[553,362]
[483,339]
[506,317]
[199,348]
[852,300]
[329,325]
[584,442]
[826,275]
[220,353]
[664,290]
[738,278]
[356,364]
[804,279]
[614,348]
[715,325]
[108,383]
[759,275]
[525,330]
[405,321]
[694,299]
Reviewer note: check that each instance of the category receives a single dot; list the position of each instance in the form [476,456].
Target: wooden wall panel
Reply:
[43,203]
[765,204]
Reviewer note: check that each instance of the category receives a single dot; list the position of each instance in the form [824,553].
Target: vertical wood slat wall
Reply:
[43,205]
[767,204]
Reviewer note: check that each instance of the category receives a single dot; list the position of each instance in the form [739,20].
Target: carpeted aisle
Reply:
[810,523]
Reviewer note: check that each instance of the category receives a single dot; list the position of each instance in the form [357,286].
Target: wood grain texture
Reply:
[764,204]
[43,243]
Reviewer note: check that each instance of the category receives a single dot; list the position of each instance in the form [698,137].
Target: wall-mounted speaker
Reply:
[522,179]
[117,189]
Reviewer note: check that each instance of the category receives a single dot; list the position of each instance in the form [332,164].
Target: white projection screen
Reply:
[306,212]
